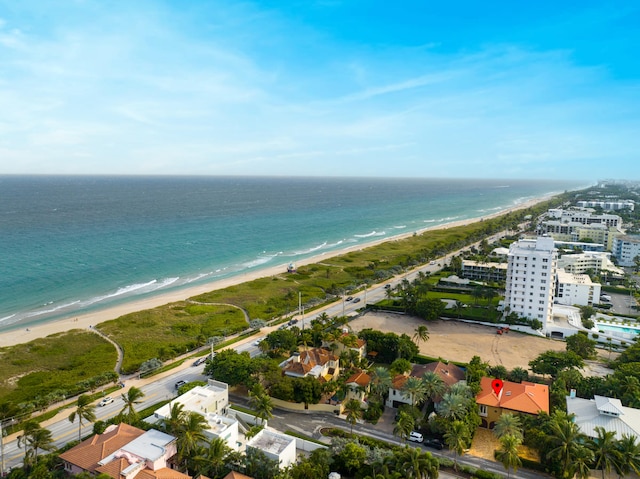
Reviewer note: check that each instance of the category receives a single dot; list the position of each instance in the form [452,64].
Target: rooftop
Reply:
[270,441]
[526,397]
[605,412]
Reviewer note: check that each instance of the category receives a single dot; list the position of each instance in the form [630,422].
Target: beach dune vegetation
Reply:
[46,370]
[170,330]
[176,328]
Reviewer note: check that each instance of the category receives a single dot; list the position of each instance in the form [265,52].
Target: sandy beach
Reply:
[84,321]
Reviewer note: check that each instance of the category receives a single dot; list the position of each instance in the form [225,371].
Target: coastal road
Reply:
[162,387]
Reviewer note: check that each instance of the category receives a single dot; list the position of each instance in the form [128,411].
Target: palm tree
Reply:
[421,334]
[353,412]
[629,451]
[508,453]
[260,401]
[606,455]
[434,386]
[131,399]
[508,425]
[582,460]
[380,381]
[404,425]
[34,437]
[84,410]
[173,423]
[414,388]
[212,460]
[457,438]
[565,440]
[459,305]
[452,406]
[416,464]
[190,435]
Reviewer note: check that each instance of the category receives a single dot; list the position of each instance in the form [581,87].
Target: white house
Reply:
[211,402]
[531,276]
[276,446]
[605,412]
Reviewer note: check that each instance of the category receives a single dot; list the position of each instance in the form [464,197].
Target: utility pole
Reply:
[1,450]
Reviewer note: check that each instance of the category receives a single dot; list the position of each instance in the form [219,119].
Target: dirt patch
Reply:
[457,341]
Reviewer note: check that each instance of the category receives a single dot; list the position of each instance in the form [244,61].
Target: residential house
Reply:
[316,362]
[338,347]
[211,402]
[449,373]
[525,397]
[358,386]
[276,446]
[124,452]
[608,413]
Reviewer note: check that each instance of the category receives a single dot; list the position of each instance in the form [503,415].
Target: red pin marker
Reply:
[497,385]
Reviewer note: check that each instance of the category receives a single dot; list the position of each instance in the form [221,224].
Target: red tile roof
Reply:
[530,398]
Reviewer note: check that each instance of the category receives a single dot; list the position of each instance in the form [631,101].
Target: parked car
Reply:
[416,436]
[434,443]
[180,383]
[105,401]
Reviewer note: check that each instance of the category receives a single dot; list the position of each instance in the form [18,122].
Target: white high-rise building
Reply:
[531,276]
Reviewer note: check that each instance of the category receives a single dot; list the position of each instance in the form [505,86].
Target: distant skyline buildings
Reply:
[329,88]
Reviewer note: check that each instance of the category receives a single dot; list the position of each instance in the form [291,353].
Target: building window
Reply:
[483,410]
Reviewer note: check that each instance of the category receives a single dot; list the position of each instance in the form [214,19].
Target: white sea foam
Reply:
[257,262]
[7,318]
[400,227]
[310,250]
[368,235]
[55,309]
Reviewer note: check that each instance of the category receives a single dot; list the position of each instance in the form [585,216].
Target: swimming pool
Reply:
[614,328]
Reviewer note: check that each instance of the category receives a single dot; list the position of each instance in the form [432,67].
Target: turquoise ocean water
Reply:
[73,244]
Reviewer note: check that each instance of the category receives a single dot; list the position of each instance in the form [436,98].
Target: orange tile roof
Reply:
[236,475]
[89,452]
[164,473]
[530,398]
[398,381]
[360,378]
[315,356]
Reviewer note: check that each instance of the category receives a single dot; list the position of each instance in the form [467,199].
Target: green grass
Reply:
[56,364]
[170,330]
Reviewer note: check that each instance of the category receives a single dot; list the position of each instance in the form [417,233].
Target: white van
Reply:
[416,436]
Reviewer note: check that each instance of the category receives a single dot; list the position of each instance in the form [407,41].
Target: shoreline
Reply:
[18,335]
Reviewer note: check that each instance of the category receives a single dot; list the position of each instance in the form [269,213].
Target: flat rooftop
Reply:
[270,442]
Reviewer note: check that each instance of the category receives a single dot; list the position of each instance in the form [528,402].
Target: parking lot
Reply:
[623,304]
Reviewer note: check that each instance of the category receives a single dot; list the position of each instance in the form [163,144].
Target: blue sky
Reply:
[339,88]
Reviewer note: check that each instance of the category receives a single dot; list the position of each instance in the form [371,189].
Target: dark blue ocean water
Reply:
[73,244]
